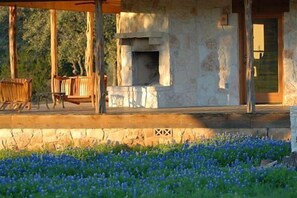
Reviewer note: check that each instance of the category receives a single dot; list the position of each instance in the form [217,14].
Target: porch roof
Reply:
[114,6]
[109,6]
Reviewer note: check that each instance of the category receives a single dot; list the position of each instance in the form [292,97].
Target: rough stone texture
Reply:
[95,133]
[290,55]
[140,96]
[291,161]
[293,118]
[64,138]
[198,57]
[6,133]
[204,54]
[59,139]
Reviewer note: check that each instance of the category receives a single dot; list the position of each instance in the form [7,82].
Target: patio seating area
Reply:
[76,90]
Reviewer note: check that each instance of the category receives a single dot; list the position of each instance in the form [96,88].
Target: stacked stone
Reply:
[293,118]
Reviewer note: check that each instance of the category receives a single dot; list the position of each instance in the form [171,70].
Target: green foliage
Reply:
[37,69]
[33,39]
[3,38]
[36,33]
[72,39]
[110,47]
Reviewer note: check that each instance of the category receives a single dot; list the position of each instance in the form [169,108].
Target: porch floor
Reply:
[86,109]
[83,116]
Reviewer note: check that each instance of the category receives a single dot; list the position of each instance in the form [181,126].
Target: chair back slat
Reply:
[77,89]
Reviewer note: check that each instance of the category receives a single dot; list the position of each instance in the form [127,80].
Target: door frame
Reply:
[262,98]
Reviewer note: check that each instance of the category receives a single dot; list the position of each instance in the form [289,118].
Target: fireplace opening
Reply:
[145,68]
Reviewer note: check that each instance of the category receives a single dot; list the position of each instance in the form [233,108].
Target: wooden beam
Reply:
[12,42]
[142,121]
[99,58]
[119,58]
[90,44]
[113,6]
[54,62]
[249,57]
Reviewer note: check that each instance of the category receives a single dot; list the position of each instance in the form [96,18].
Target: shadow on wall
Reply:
[130,98]
[138,98]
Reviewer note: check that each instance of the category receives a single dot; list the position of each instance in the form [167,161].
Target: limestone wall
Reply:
[290,55]
[293,118]
[199,61]
[57,139]
[204,54]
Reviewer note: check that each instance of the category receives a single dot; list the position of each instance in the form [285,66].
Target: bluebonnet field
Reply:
[227,166]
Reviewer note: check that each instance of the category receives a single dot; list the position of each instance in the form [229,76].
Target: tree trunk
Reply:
[54,63]
[119,60]
[99,58]
[75,69]
[249,57]
[80,64]
[12,42]
[90,44]
[114,74]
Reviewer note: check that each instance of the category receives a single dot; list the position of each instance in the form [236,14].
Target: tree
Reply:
[110,50]
[72,40]
[36,32]
[32,43]
[34,52]
[4,61]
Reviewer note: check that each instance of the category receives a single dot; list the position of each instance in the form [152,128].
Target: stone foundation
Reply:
[293,118]
[59,139]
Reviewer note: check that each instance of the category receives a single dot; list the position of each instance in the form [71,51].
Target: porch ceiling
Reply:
[109,6]
[262,6]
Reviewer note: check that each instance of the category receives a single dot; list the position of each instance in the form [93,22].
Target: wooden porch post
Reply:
[99,58]
[90,44]
[54,62]
[249,57]
[119,59]
[12,42]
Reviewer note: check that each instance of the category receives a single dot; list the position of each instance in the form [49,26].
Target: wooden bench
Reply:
[78,89]
[15,93]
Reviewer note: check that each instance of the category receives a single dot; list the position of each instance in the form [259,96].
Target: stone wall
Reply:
[293,118]
[204,54]
[57,139]
[290,55]
[199,61]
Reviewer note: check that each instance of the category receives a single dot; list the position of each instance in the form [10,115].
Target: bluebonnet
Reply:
[226,164]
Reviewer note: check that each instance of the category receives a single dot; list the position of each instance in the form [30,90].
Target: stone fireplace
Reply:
[145,70]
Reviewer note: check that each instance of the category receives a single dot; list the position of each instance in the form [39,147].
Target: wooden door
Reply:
[268,59]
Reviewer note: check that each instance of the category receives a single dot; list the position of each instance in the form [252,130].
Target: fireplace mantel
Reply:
[132,35]
[154,38]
